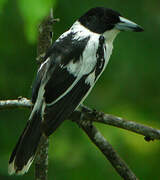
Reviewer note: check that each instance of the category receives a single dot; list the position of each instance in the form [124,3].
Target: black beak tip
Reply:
[138,29]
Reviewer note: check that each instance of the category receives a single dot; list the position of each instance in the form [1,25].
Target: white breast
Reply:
[107,52]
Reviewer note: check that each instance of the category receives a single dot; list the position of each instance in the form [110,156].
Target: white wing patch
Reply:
[74,68]
[91,79]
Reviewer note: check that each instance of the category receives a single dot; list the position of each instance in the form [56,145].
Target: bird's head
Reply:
[103,20]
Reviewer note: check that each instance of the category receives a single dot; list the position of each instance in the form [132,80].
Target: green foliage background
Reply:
[129,88]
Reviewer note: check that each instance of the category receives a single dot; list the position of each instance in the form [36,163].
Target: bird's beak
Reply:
[127,25]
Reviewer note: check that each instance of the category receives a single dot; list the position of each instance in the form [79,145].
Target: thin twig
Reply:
[20,102]
[94,116]
[44,42]
[41,164]
[45,36]
[105,147]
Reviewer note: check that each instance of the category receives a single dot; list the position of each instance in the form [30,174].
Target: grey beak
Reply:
[127,25]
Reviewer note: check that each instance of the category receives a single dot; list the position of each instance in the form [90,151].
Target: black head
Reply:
[100,20]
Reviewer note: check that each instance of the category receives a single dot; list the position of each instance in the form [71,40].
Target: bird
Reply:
[71,67]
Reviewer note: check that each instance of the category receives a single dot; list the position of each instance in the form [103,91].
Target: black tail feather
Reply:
[25,150]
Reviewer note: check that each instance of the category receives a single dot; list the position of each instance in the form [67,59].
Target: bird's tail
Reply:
[25,149]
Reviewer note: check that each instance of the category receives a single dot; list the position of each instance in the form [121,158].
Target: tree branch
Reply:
[93,115]
[20,102]
[87,114]
[105,147]
[44,42]
[41,163]
[84,117]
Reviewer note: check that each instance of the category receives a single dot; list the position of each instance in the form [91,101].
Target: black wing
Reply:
[55,114]
[56,80]
[63,51]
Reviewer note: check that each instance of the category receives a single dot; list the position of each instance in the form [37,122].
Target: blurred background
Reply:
[129,88]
